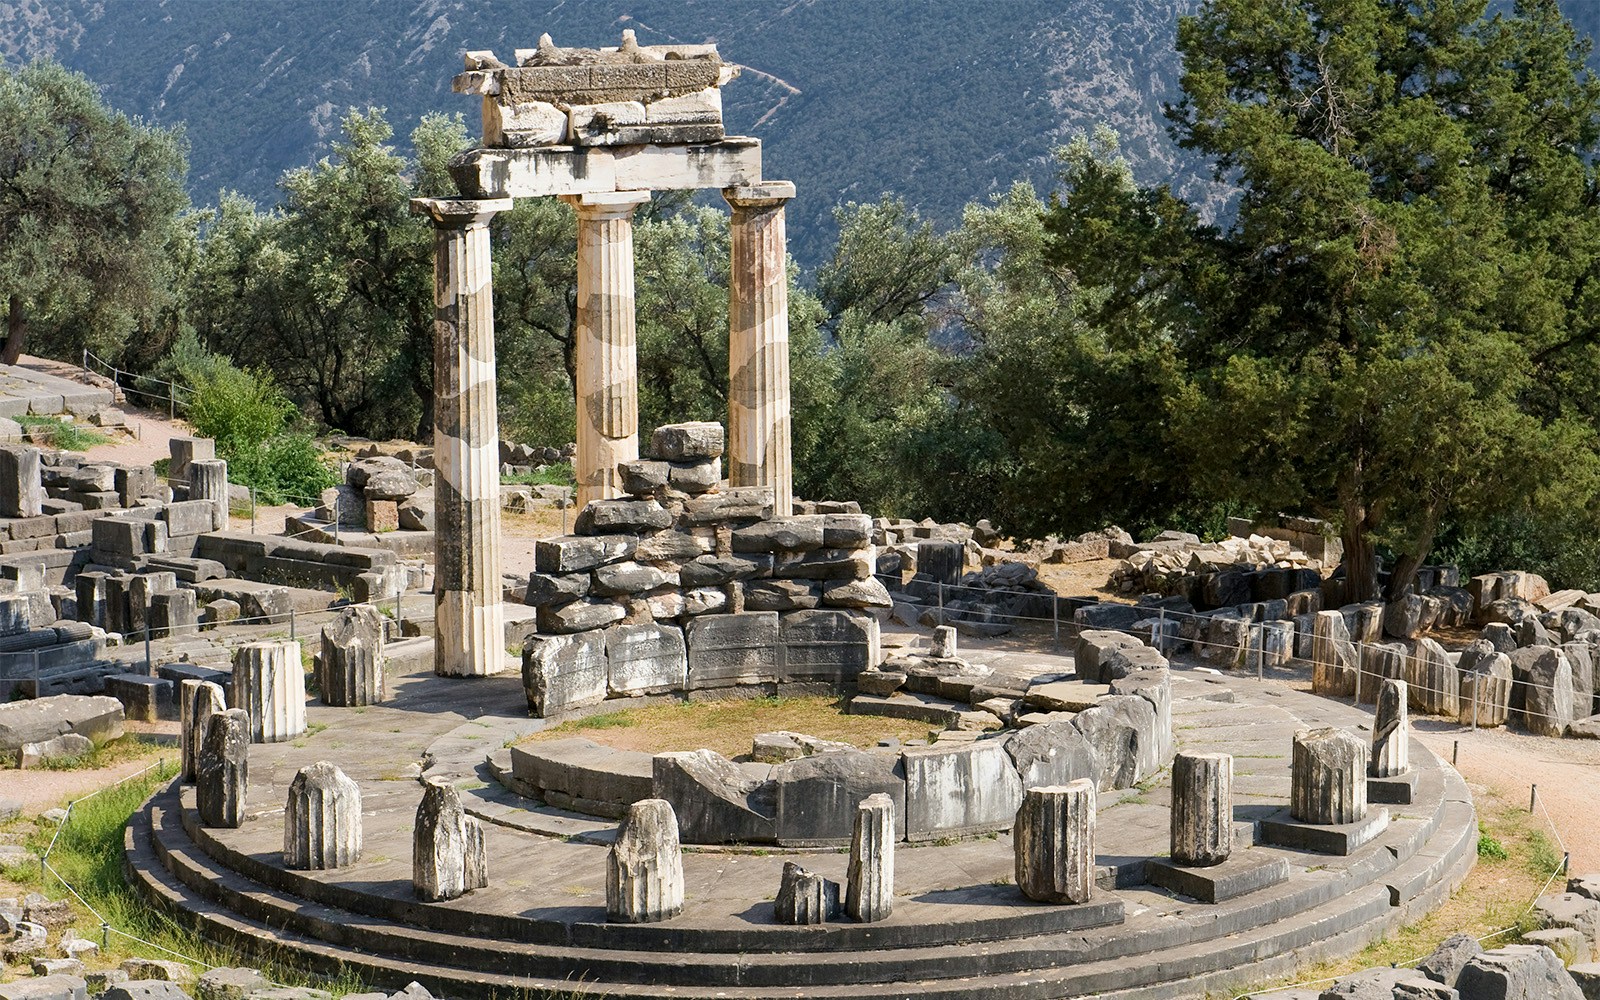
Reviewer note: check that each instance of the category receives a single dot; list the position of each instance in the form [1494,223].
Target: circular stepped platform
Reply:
[959,930]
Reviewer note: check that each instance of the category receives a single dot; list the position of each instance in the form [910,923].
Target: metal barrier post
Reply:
[940,584]
[1455,752]
[1161,630]
[172,403]
[1533,797]
[291,625]
[337,516]
[1261,651]
[1359,654]
[1055,620]
[149,667]
[252,510]
[1475,685]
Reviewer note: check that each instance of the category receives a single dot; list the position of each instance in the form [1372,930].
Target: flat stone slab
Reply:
[1340,839]
[1065,696]
[1395,791]
[95,716]
[1243,872]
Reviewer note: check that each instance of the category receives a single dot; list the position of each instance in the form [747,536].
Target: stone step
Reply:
[1352,918]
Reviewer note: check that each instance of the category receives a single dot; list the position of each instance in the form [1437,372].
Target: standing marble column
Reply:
[208,480]
[198,701]
[607,348]
[869,890]
[1391,736]
[469,615]
[1328,778]
[759,452]
[269,683]
[1053,843]
[1202,808]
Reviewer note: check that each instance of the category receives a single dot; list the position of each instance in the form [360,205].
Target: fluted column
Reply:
[759,452]
[1053,843]
[1328,780]
[1202,808]
[869,891]
[607,348]
[270,684]
[470,618]
[1390,732]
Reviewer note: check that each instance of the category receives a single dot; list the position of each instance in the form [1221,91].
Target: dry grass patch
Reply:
[1515,861]
[728,726]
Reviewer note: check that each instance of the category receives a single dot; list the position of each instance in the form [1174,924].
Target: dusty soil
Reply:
[1083,579]
[727,726]
[39,790]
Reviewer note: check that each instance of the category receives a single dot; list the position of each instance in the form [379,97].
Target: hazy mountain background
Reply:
[942,101]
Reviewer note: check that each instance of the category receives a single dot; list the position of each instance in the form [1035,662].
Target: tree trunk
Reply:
[1406,566]
[1360,559]
[16,330]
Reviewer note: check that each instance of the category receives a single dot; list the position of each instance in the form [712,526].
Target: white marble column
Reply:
[607,348]
[470,618]
[759,452]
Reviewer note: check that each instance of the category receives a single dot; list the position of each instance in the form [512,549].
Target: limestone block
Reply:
[1155,687]
[579,616]
[1486,689]
[447,856]
[1116,744]
[1379,663]
[1328,780]
[604,517]
[579,553]
[1095,646]
[782,595]
[322,819]
[694,478]
[628,577]
[222,772]
[645,659]
[35,720]
[198,701]
[1053,753]
[715,570]
[715,800]
[1433,682]
[961,788]
[174,613]
[728,650]
[793,534]
[1391,733]
[942,561]
[1542,697]
[352,658]
[1447,960]
[269,683]
[1202,808]
[644,867]
[1573,911]
[208,480]
[564,672]
[1053,843]
[21,484]
[1517,972]
[869,888]
[828,645]
[869,593]
[817,795]
[687,442]
[804,897]
[382,516]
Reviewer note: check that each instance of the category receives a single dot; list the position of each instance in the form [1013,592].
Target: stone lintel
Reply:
[767,194]
[541,171]
[607,204]
[459,212]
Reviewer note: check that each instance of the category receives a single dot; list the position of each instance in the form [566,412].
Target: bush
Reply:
[285,468]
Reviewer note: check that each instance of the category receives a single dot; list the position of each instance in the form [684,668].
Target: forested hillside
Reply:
[942,101]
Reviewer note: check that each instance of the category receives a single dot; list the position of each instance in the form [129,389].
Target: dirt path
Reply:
[1566,771]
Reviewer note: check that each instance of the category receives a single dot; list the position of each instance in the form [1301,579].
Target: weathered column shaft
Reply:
[759,450]
[1390,732]
[1202,808]
[470,618]
[1328,778]
[208,480]
[198,701]
[1053,842]
[270,684]
[607,347]
[222,772]
[869,891]
[322,819]
[352,666]
[439,844]
[644,868]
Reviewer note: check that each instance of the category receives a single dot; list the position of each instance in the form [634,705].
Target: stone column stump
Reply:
[222,774]
[1328,781]
[198,701]
[322,819]
[869,890]
[1390,732]
[1202,809]
[1053,842]
[21,482]
[448,856]
[352,658]
[644,868]
[805,897]
[208,480]
[270,684]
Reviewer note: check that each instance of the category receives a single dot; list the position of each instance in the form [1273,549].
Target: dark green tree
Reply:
[88,203]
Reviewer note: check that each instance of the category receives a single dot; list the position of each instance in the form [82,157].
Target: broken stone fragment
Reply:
[644,867]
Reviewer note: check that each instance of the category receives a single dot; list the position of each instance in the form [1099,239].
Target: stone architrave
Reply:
[759,452]
[644,867]
[1328,777]
[352,663]
[1390,732]
[222,774]
[208,480]
[1202,808]
[21,482]
[1053,842]
[448,857]
[468,603]
[198,701]
[869,891]
[322,819]
[270,684]
[607,345]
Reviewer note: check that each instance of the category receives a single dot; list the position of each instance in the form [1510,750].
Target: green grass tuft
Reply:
[57,433]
